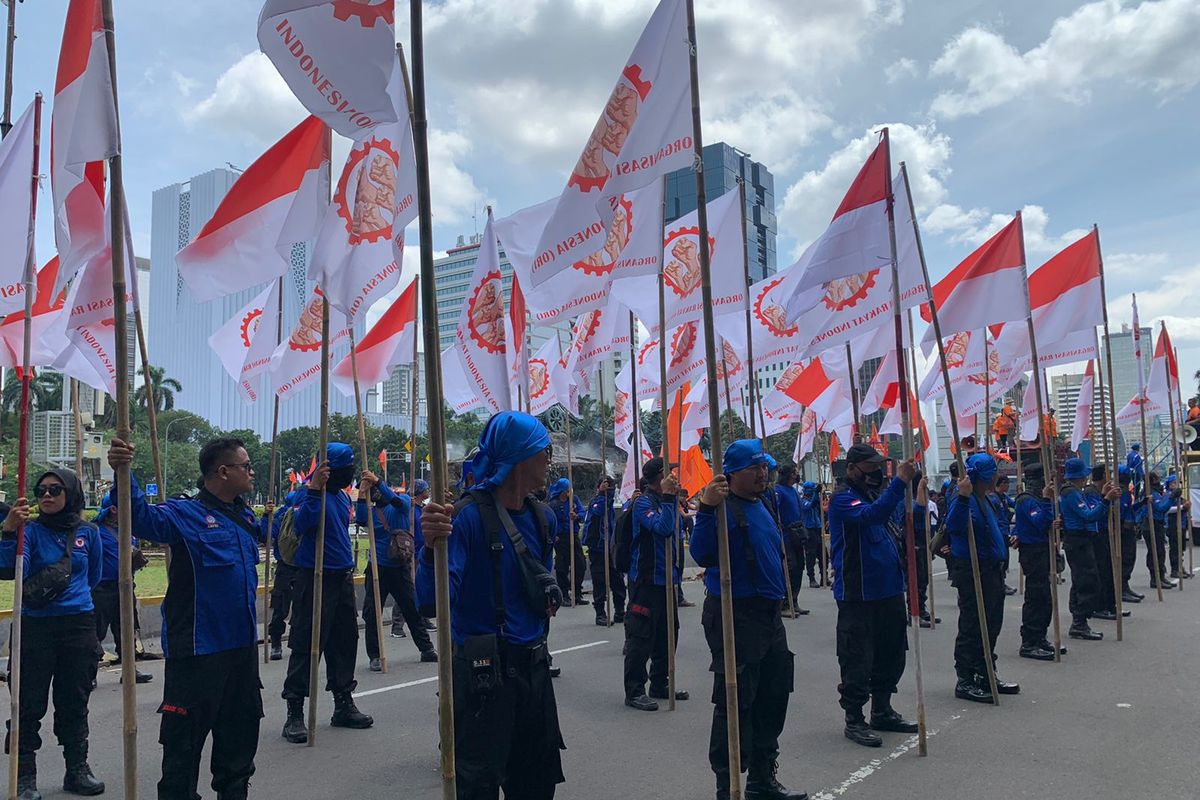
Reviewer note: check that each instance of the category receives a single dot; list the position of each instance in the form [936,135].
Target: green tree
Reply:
[164,388]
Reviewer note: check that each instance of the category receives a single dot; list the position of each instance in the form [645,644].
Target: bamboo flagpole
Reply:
[372,545]
[413,403]
[730,662]
[10,41]
[1178,466]
[714,414]
[1114,511]
[1185,480]
[962,468]
[1137,351]
[314,648]
[604,518]
[14,645]
[635,452]
[77,419]
[273,491]
[570,508]
[858,426]
[433,393]
[906,416]
[753,385]
[123,432]
[912,358]
[987,394]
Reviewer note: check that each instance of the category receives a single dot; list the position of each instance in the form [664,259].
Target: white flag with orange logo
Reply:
[458,391]
[336,56]
[83,134]
[273,205]
[549,381]
[296,362]
[643,133]
[480,333]
[244,344]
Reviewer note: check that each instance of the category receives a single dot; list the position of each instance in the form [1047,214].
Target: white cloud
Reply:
[976,225]
[1152,45]
[900,70]
[809,202]
[249,99]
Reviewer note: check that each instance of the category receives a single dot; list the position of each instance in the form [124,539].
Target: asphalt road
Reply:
[1113,720]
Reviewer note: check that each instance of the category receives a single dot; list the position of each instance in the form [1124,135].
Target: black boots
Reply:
[662,694]
[973,689]
[27,778]
[347,715]
[641,702]
[276,650]
[294,729]
[886,718]
[1037,652]
[1081,630]
[79,778]
[763,785]
[859,732]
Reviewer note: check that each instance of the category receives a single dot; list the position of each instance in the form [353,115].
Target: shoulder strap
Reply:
[540,511]
[486,504]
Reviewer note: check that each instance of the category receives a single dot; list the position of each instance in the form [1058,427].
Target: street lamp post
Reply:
[166,445]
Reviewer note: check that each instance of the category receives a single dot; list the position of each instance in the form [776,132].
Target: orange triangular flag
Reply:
[835,449]
[675,416]
[694,471]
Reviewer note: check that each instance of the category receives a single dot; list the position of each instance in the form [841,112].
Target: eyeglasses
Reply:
[246,466]
[53,490]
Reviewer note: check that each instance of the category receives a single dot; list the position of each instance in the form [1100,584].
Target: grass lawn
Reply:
[152,581]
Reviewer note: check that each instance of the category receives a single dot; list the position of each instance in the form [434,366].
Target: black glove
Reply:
[550,588]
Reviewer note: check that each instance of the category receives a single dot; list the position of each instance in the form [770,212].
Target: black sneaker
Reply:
[376,665]
[859,732]
[1036,652]
[1129,597]
[1085,633]
[891,720]
[641,703]
[429,656]
[970,690]
[661,694]
[1104,614]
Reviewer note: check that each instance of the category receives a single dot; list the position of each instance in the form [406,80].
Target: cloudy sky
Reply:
[1076,113]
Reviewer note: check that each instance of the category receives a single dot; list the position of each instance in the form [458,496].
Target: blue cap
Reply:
[743,454]
[559,487]
[508,438]
[1076,468]
[107,504]
[339,455]
[809,487]
[420,486]
[981,468]
[772,464]
[1135,446]
[1172,478]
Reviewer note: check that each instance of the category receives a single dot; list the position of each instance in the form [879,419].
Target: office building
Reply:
[179,327]
[1064,389]
[1125,387]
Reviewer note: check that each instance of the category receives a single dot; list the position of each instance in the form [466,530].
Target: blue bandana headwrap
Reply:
[559,487]
[743,454]
[1076,468]
[420,486]
[810,488]
[509,438]
[339,455]
[981,468]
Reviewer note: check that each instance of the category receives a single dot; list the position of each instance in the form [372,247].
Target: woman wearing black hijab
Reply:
[58,629]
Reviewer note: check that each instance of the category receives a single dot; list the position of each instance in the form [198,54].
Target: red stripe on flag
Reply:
[402,312]
[84,19]
[1075,265]
[1002,251]
[870,185]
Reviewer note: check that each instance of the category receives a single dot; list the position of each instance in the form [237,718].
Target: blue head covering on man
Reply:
[743,454]
[981,468]
[508,438]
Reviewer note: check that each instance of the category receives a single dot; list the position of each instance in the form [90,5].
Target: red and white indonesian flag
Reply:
[17,167]
[90,323]
[857,238]
[388,343]
[245,343]
[681,273]
[274,204]
[779,410]
[336,56]
[884,390]
[806,438]
[1132,411]
[83,134]
[986,288]
[631,247]
[480,334]
[814,390]
[1164,374]
[549,381]
[296,362]
[458,391]
[1083,408]
[48,325]
[360,247]
[1065,299]
[644,132]
[846,308]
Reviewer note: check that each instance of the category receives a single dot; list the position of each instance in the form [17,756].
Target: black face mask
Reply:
[340,478]
[873,480]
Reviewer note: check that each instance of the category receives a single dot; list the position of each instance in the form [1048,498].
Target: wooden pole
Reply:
[413,403]
[604,517]
[1185,480]
[906,415]
[273,488]
[962,469]
[570,508]
[77,418]
[753,386]
[727,633]
[912,357]
[372,546]
[1178,466]
[1158,568]
[433,393]
[14,649]
[314,648]
[123,432]
[987,394]
[1114,511]
[858,426]
[10,45]
[663,344]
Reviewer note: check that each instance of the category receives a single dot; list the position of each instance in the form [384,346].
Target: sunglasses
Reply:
[54,490]
[246,466]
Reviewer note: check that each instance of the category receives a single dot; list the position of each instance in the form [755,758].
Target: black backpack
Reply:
[623,541]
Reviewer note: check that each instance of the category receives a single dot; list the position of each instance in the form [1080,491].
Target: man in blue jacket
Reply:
[1132,515]
[568,509]
[1081,519]
[283,576]
[1034,519]
[339,613]
[209,631]
[502,593]
[868,584]
[814,544]
[391,512]
[971,503]
[1160,503]
[654,531]
[764,662]
[795,537]
[106,594]
[599,524]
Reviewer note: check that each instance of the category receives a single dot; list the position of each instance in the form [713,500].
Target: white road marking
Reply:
[419,682]
[874,765]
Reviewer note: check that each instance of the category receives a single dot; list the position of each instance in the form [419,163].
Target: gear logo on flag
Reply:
[603,261]
[307,335]
[620,409]
[956,349]
[682,273]
[249,326]
[808,421]
[586,327]
[372,167]
[789,377]
[485,314]
[730,363]
[683,343]
[592,170]
[771,314]
[369,13]
[993,371]
[645,351]
[539,378]
[846,292]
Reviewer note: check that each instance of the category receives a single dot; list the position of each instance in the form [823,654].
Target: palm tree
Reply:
[45,392]
[164,389]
